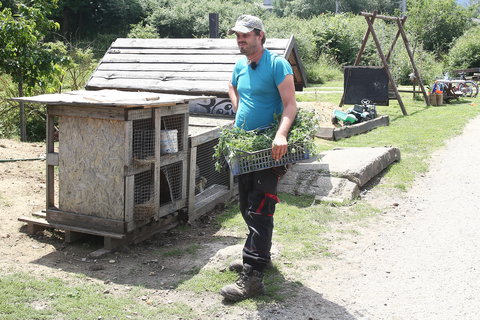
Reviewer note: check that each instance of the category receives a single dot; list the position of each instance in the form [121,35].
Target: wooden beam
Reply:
[50,183]
[165,67]
[296,55]
[191,43]
[176,51]
[395,40]
[191,181]
[374,14]
[189,59]
[164,76]
[385,64]
[96,112]
[155,85]
[71,219]
[410,55]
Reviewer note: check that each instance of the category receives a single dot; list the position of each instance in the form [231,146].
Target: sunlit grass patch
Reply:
[23,296]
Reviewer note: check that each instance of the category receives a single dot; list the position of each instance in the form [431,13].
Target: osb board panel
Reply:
[91,166]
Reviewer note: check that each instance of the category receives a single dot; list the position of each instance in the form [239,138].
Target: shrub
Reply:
[81,66]
[323,70]
[301,29]
[465,52]
[189,18]
[340,37]
[425,61]
[436,23]
[143,31]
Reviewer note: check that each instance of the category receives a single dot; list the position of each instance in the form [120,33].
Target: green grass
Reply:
[332,97]
[278,289]
[23,296]
[300,224]
[330,85]
[417,135]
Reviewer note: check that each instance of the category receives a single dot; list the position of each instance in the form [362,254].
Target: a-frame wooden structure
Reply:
[370,18]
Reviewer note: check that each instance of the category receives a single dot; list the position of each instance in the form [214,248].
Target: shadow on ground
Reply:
[178,259]
[286,299]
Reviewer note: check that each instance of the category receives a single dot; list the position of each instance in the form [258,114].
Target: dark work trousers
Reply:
[258,197]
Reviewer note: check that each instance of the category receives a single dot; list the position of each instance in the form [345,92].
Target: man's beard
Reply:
[247,50]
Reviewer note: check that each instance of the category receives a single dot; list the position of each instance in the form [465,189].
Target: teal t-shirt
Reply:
[259,98]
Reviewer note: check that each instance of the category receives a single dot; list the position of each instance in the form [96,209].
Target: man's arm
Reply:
[233,94]
[287,92]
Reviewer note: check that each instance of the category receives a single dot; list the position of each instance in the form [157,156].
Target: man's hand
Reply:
[279,147]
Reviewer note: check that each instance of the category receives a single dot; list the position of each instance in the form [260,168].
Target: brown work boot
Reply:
[249,284]
[237,265]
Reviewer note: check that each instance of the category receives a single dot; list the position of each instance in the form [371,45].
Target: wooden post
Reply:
[50,183]
[362,47]
[384,61]
[23,121]
[213,25]
[395,40]
[410,55]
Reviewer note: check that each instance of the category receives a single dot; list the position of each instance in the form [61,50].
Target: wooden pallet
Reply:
[38,222]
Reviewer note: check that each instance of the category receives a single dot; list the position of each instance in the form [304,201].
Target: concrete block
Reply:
[317,184]
[359,165]
[338,174]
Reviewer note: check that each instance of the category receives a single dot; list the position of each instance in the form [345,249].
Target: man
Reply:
[262,86]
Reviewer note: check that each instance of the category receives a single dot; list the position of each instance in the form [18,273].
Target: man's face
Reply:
[249,43]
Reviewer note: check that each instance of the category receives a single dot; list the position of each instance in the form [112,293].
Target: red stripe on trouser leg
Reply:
[272,196]
[262,204]
[260,207]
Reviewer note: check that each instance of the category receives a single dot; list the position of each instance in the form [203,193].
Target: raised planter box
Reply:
[348,131]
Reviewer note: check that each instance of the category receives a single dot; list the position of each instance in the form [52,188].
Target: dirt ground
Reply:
[416,260]
[324,109]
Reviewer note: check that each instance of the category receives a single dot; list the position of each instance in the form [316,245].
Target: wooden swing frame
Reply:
[370,18]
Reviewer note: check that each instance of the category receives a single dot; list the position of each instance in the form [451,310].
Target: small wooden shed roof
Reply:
[180,66]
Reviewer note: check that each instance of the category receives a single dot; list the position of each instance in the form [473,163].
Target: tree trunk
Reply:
[66,22]
[23,124]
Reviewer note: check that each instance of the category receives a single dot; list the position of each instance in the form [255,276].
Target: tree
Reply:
[85,19]
[189,18]
[465,52]
[436,23]
[310,8]
[24,55]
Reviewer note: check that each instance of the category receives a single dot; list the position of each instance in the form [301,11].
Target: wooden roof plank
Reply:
[176,51]
[125,99]
[180,58]
[178,67]
[164,76]
[190,43]
[155,85]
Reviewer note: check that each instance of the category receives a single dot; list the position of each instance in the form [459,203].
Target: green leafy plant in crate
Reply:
[236,141]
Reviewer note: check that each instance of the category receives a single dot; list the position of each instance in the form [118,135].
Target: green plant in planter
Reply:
[236,141]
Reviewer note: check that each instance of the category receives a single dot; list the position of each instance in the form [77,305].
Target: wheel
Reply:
[468,89]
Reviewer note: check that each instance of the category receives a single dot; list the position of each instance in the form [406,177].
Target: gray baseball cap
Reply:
[246,23]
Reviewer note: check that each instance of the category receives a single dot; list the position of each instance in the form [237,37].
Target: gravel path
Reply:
[422,260]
